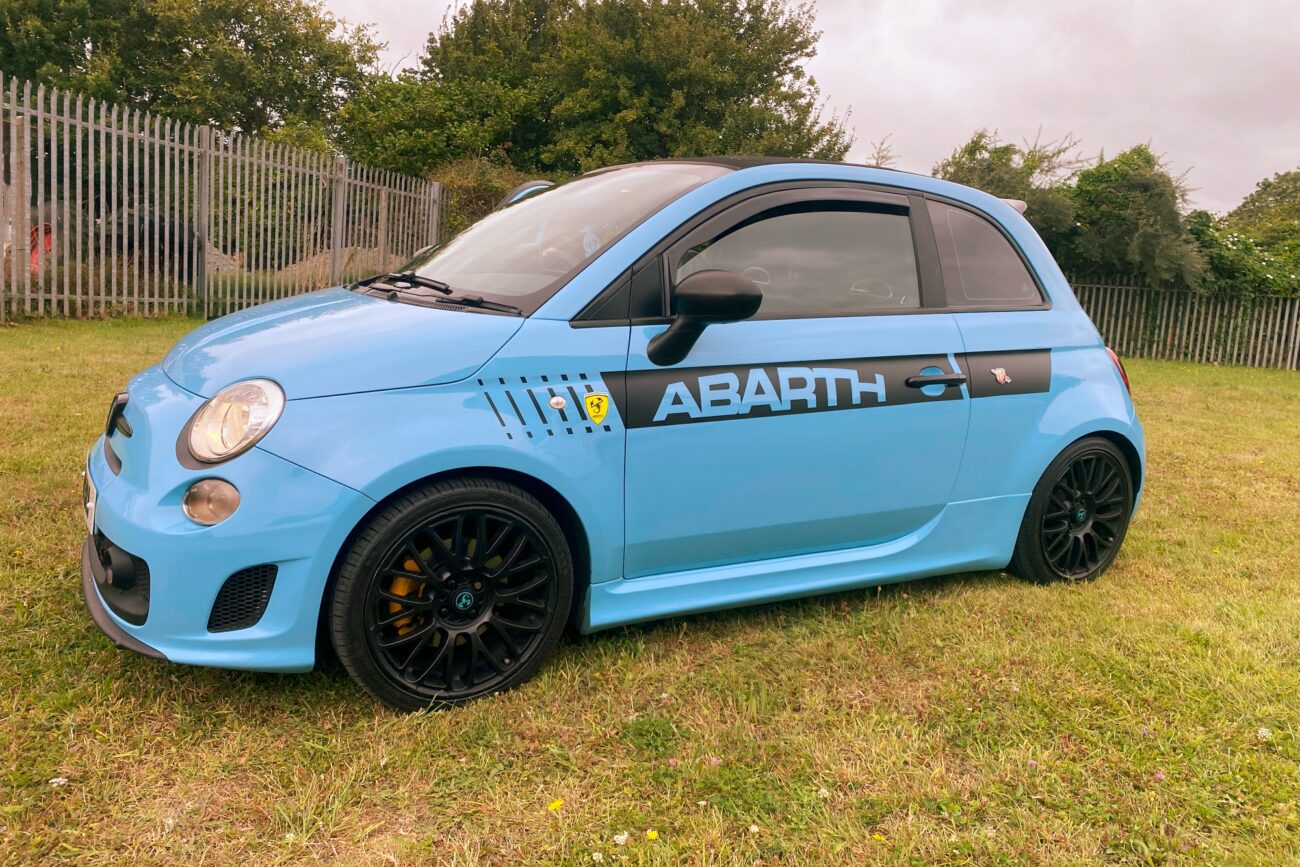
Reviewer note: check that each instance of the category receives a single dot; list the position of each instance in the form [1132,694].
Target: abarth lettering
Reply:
[806,388]
[705,394]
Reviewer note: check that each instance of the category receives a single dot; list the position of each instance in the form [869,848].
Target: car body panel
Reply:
[670,519]
[500,418]
[288,516]
[964,536]
[337,342]
[804,478]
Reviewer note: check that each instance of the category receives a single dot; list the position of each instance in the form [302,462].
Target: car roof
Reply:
[743,161]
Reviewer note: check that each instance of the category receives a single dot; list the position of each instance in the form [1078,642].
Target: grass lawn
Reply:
[1151,716]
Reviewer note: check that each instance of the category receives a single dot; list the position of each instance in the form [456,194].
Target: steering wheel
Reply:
[568,261]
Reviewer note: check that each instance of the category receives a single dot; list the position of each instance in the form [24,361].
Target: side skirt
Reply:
[973,535]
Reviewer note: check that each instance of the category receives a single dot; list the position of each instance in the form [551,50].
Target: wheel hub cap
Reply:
[1080,514]
[463,600]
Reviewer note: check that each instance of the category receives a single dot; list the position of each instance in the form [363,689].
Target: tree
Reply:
[243,64]
[1037,173]
[1236,264]
[1128,212]
[609,81]
[1270,216]
[416,126]
[639,79]
[503,42]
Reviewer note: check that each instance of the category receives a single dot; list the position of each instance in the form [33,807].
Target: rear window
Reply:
[980,267]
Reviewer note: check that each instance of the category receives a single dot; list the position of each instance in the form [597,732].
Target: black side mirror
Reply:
[703,299]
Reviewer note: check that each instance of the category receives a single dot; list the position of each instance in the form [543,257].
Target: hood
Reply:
[337,342]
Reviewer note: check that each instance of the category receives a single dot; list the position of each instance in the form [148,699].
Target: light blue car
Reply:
[657,389]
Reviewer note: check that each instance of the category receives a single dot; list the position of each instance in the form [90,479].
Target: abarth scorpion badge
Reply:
[1001,374]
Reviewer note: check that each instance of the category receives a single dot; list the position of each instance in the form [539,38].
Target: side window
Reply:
[817,259]
[980,267]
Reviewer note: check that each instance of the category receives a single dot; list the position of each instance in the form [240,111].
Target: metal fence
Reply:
[106,209]
[1190,326]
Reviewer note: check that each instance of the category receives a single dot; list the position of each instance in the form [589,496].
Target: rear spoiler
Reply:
[1018,204]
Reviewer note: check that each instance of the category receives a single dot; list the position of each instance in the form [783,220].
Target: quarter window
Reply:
[821,260]
[980,267]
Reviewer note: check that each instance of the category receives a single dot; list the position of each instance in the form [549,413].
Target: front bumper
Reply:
[90,565]
[288,517]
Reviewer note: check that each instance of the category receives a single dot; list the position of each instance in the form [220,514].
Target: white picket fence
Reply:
[106,209]
[1190,326]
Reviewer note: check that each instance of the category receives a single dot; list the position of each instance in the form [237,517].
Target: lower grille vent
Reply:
[242,599]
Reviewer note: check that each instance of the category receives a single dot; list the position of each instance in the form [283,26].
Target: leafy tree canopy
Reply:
[1237,264]
[414,127]
[1128,212]
[1270,216]
[1036,172]
[567,86]
[244,64]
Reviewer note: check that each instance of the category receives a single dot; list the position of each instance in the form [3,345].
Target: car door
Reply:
[811,426]
[1009,331]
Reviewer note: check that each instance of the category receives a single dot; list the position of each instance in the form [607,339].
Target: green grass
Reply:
[1151,716]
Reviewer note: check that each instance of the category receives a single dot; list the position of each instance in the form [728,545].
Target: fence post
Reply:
[435,213]
[338,215]
[202,216]
[8,223]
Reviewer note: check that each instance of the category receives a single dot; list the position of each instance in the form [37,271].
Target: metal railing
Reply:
[106,209]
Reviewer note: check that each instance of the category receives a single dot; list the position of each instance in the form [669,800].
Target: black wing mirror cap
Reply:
[702,299]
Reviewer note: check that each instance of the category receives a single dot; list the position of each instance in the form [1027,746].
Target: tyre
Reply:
[1077,515]
[457,590]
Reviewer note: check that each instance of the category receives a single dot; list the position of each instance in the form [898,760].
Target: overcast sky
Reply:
[1213,86]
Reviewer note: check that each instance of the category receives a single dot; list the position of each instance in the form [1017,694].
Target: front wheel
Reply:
[457,590]
[1077,516]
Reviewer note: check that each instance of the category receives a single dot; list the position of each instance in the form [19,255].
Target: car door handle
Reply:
[922,380]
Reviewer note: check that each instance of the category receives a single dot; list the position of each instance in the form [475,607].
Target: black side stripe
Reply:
[1029,372]
[691,395]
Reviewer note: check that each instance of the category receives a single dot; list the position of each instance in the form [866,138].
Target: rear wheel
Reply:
[1077,516]
[458,590]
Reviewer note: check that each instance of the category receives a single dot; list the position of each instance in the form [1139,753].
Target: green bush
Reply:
[472,188]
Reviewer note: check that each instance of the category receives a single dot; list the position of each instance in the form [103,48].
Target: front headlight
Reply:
[234,419]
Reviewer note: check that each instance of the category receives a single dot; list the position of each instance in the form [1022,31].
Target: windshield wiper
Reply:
[404,281]
[480,301]
[405,287]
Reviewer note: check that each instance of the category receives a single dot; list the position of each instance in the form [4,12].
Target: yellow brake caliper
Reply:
[403,586]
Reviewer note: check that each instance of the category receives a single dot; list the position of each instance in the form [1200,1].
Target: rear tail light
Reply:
[1119,365]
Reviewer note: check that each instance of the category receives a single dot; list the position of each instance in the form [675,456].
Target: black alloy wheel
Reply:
[456,591]
[1078,515]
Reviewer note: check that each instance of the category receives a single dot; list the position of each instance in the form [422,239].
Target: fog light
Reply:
[210,501]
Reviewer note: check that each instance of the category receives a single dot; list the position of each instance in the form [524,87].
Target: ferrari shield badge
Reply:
[597,407]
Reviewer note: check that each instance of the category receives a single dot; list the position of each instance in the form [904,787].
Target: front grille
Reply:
[242,599]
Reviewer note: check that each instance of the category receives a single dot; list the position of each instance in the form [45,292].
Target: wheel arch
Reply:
[575,532]
[1128,449]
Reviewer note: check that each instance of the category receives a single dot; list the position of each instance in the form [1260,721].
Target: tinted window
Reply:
[980,267]
[517,254]
[815,261]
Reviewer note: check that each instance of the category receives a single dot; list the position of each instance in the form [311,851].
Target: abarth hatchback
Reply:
[653,390]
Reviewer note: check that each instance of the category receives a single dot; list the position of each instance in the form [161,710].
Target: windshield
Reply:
[520,254]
